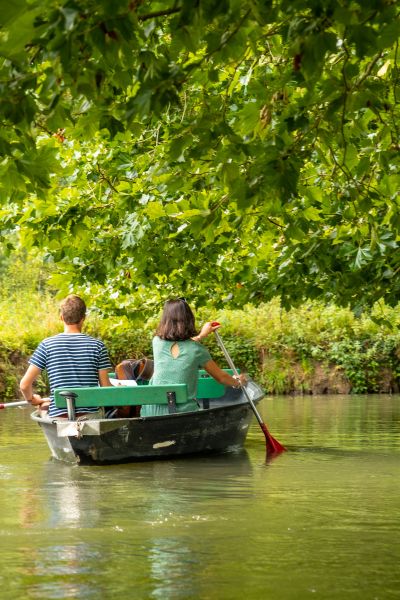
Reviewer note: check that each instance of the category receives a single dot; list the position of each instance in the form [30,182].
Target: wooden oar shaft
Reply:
[273,446]
[13,404]
[232,366]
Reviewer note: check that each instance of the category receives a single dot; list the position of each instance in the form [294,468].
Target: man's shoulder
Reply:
[78,338]
[91,338]
[51,339]
[46,344]
[85,338]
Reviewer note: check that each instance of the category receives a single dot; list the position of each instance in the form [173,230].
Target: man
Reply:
[71,359]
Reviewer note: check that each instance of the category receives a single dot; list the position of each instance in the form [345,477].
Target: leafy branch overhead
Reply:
[229,150]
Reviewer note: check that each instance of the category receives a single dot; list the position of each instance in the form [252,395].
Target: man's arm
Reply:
[26,385]
[104,380]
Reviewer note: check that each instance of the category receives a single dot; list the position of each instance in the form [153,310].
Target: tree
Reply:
[228,150]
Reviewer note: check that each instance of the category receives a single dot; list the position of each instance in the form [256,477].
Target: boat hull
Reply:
[220,428]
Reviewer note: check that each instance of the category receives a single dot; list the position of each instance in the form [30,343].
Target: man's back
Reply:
[70,360]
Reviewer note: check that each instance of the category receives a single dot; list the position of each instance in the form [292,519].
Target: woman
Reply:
[178,356]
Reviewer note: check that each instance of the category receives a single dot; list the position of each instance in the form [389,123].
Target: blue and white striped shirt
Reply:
[71,360]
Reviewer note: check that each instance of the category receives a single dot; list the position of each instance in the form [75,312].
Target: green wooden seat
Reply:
[72,399]
[203,373]
[207,387]
[86,397]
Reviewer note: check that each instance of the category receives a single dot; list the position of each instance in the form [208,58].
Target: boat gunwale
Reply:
[173,416]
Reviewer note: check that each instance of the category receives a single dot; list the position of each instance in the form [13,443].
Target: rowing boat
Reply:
[221,424]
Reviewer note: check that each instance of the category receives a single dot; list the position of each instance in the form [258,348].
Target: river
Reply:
[320,521]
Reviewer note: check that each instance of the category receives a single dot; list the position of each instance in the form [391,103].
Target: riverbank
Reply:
[313,349]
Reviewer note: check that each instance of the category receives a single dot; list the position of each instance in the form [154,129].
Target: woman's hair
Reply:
[73,309]
[177,321]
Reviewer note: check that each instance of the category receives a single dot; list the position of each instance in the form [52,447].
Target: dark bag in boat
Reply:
[135,370]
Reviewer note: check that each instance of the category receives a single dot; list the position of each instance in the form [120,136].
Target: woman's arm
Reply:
[222,376]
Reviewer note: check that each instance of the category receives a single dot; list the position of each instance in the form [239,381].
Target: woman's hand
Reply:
[205,331]
[241,379]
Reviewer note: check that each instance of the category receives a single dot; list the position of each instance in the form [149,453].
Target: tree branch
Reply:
[346,91]
[106,179]
[397,73]
[159,13]
[368,70]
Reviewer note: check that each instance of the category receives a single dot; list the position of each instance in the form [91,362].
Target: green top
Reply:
[182,369]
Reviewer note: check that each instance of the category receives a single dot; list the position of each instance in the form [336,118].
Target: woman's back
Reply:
[178,355]
[176,362]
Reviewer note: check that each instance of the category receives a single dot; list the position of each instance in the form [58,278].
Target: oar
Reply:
[273,446]
[13,404]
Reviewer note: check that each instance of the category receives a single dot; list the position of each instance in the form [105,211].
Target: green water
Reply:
[320,521]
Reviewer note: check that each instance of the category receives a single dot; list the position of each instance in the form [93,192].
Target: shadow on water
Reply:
[222,474]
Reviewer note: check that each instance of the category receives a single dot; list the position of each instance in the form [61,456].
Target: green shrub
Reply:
[287,351]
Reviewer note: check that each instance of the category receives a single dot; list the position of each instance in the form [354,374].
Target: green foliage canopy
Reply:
[226,149]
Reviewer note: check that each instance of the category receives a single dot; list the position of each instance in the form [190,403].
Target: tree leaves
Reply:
[259,137]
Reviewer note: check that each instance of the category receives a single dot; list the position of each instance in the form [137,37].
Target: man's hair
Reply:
[73,309]
[177,321]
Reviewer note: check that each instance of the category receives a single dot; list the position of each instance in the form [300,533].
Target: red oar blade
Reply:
[273,446]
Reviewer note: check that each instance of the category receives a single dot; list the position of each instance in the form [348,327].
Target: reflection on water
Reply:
[321,519]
